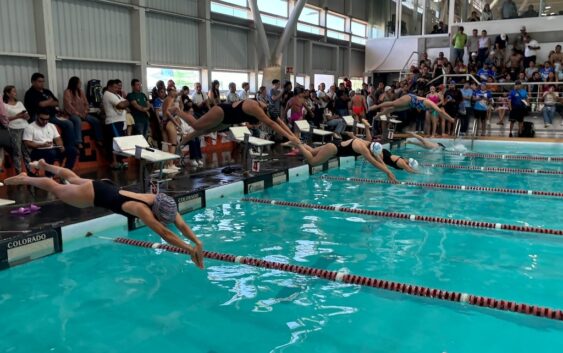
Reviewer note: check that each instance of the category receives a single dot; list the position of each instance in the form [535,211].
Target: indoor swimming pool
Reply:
[101,296]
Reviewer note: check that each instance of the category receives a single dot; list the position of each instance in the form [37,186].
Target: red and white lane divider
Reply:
[412,217]
[503,156]
[448,186]
[407,289]
[494,169]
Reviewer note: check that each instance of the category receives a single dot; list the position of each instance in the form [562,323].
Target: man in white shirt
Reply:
[531,50]
[232,96]
[323,97]
[114,108]
[199,100]
[44,142]
[244,93]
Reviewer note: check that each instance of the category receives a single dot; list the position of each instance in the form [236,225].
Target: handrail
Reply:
[473,134]
[457,128]
[445,77]
[407,64]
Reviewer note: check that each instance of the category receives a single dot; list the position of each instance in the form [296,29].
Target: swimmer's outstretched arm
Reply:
[146,215]
[379,165]
[368,136]
[423,142]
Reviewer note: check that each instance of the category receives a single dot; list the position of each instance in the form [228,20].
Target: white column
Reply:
[140,41]
[46,42]
[205,56]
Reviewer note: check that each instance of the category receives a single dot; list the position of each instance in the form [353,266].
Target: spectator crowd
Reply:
[510,82]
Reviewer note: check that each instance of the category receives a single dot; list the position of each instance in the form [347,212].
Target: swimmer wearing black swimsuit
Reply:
[346,150]
[235,115]
[106,195]
[441,145]
[390,162]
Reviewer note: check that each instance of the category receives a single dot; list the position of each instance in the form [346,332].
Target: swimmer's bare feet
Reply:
[16,180]
[39,165]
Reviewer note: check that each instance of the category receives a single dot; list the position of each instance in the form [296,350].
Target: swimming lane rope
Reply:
[448,186]
[407,289]
[503,156]
[412,217]
[494,169]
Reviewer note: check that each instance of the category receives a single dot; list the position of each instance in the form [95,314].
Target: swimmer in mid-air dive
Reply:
[353,147]
[411,101]
[225,114]
[426,143]
[156,211]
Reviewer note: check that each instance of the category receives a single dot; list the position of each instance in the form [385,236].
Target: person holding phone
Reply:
[44,142]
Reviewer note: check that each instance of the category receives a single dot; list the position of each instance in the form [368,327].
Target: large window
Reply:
[180,77]
[273,20]
[328,80]
[226,77]
[335,22]
[300,80]
[359,32]
[436,17]
[234,10]
[310,20]
[411,17]
[336,27]
[384,18]
[310,15]
[475,10]
[274,7]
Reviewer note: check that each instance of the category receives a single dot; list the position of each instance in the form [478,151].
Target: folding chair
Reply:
[304,126]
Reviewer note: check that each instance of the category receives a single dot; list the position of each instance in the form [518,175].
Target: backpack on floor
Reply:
[94,93]
[528,129]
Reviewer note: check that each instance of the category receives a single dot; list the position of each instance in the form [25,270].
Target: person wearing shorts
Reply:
[518,104]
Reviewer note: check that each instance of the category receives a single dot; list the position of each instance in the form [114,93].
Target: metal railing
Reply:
[457,129]
[406,68]
[473,134]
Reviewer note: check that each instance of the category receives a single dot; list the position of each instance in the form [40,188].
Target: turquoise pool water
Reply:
[114,298]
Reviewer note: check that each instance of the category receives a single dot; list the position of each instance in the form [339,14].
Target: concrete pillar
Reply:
[205,56]
[140,42]
[46,43]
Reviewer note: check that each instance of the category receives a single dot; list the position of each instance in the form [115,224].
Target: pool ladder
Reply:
[473,133]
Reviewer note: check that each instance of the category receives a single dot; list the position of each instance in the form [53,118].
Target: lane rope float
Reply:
[412,217]
[514,157]
[447,186]
[403,288]
[493,169]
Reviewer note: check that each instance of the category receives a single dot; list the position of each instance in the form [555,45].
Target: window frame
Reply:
[166,78]
[365,24]
[225,88]
[319,10]
[276,14]
[336,14]
[232,6]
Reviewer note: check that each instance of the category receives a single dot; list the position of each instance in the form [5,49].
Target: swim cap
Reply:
[375,148]
[164,208]
[413,163]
